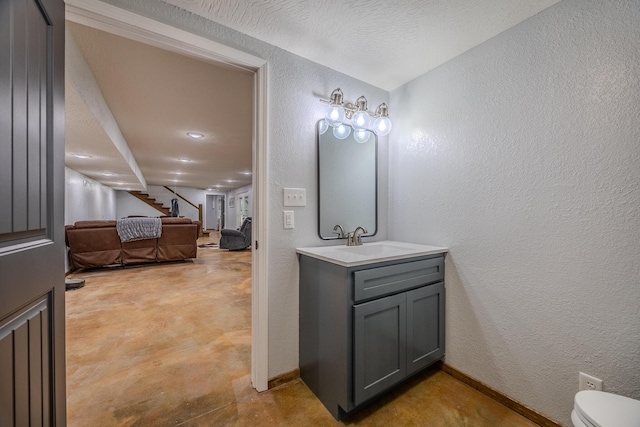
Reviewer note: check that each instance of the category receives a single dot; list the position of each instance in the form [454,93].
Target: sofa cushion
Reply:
[94,247]
[178,241]
[138,251]
[99,223]
[175,220]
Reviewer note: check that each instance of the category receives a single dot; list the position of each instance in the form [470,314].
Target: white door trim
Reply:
[118,21]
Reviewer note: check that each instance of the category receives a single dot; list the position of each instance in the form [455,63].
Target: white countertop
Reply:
[369,253]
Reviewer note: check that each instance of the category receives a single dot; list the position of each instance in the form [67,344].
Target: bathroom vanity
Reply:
[370,317]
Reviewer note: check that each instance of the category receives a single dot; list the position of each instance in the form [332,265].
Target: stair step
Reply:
[150,201]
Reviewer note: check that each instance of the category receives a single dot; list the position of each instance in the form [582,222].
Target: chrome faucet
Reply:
[355,238]
[339,231]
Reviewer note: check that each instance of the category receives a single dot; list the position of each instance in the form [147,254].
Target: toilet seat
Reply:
[601,409]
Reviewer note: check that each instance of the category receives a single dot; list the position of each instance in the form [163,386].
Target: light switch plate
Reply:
[295,197]
[288,219]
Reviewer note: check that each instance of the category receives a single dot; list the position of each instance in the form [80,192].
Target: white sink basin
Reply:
[368,253]
[378,250]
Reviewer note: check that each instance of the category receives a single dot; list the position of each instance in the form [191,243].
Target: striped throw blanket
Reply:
[130,229]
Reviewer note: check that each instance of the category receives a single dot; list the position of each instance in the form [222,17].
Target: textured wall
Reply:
[294,86]
[523,157]
[86,199]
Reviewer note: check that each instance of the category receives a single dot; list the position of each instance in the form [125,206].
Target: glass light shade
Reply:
[382,126]
[334,115]
[341,131]
[361,120]
[323,126]
[361,135]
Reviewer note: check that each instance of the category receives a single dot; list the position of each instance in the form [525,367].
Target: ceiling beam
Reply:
[79,75]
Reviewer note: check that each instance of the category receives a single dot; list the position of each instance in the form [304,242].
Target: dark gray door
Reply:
[32,373]
[425,326]
[379,346]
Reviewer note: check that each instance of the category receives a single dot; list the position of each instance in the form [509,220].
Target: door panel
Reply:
[425,326]
[32,377]
[380,346]
[24,344]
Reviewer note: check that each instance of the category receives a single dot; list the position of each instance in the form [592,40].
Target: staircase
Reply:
[151,202]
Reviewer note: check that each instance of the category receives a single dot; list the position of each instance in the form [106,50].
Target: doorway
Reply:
[242,211]
[127,24]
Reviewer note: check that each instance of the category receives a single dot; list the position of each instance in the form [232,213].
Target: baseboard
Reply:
[515,406]
[283,378]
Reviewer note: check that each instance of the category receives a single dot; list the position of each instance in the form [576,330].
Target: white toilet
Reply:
[600,409]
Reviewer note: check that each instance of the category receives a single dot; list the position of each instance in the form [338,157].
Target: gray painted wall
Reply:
[523,157]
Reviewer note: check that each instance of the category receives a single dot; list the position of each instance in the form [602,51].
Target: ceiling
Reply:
[152,98]
[129,105]
[383,42]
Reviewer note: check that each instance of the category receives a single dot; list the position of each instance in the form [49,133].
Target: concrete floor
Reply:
[169,345]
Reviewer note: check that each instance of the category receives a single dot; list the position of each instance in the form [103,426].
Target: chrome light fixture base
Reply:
[357,115]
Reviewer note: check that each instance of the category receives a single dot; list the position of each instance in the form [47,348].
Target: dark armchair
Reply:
[237,240]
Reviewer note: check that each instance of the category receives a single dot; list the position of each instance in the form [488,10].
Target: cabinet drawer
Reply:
[380,281]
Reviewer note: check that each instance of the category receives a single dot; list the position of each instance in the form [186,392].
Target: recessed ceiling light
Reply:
[195,135]
[246,173]
[82,156]
[108,174]
[185,160]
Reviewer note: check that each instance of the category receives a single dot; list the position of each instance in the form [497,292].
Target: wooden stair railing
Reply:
[198,207]
[151,202]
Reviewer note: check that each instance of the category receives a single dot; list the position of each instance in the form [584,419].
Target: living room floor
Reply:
[169,345]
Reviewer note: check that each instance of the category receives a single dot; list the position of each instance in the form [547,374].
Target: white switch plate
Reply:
[288,219]
[295,197]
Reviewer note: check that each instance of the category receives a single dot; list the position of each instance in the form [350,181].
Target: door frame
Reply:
[112,19]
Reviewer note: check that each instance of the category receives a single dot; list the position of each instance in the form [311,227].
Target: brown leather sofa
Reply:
[97,244]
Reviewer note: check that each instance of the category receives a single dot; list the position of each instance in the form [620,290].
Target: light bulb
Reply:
[334,115]
[323,126]
[361,120]
[341,131]
[361,135]
[382,126]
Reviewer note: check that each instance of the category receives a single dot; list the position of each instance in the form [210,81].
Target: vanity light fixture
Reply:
[361,119]
[382,125]
[335,113]
[339,112]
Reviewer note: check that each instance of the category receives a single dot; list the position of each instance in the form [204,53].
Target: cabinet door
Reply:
[380,346]
[425,326]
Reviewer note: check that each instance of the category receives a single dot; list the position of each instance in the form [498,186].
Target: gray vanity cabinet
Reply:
[380,346]
[365,329]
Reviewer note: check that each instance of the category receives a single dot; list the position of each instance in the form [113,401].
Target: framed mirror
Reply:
[347,180]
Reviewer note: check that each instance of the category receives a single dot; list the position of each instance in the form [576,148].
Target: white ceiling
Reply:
[152,97]
[156,97]
[383,42]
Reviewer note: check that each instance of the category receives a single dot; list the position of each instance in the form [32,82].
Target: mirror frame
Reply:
[375,143]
